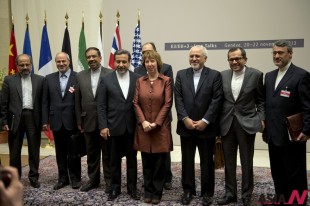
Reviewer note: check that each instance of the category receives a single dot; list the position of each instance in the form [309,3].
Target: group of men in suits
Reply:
[98,102]
[235,104]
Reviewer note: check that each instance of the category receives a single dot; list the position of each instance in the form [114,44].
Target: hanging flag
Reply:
[136,57]
[27,46]
[12,54]
[82,63]
[45,64]
[100,45]
[116,45]
[66,45]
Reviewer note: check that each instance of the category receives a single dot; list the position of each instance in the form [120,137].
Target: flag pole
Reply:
[83,20]
[118,16]
[139,17]
[66,17]
[100,18]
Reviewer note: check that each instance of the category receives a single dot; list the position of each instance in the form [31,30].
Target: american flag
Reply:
[116,45]
[136,48]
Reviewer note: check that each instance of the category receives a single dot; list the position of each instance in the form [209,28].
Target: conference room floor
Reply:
[261,158]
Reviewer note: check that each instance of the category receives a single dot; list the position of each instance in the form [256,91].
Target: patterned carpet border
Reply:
[66,196]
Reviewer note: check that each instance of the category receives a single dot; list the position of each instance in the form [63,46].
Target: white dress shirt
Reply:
[27,92]
[236,82]
[94,76]
[123,80]
[281,73]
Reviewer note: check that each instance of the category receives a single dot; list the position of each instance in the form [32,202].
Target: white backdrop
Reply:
[165,21]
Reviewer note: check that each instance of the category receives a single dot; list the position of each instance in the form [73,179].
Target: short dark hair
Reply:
[122,51]
[243,53]
[93,48]
[284,43]
[17,58]
[151,43]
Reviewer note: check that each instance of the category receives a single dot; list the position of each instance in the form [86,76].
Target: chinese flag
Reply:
[12,54]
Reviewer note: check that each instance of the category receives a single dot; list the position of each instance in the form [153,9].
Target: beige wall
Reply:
[170,21]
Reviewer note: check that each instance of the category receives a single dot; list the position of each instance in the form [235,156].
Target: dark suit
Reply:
[204,103]
[87,117]
[116,113]
[21,121]
[287,159]
[59,112]
[240,120]
[167,71]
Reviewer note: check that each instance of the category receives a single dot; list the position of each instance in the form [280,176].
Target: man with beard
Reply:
[287,93]
[86,95]
[21,109]
[117,122]
[198,97]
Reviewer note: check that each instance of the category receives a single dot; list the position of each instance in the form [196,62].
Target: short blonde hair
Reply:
[152,55]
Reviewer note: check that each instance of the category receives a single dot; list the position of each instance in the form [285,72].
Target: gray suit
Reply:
[87,117]
[21,120]
[240,120]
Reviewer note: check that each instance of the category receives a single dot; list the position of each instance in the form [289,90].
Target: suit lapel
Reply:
[227,82]
[69,83]
[57,80]
[246,78]
[131,86]
[88,81]
[19,86]
[116,84]
[190,80]
[34,86]
[203,76]
[286,77]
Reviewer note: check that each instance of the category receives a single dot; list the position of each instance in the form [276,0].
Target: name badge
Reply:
[71,89]
[285,93]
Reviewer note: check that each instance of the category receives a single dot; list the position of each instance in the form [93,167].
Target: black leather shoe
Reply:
[135,195]
[60,185]
[35,183]
[186,198]
[206,201]
[226,200]
[76,185]
[168,185]
[88,186]
[113,195]
[246,201]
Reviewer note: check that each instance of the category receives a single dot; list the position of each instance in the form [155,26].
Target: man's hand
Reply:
[302,138]
[5,127]
[200,125]
[45,127]
[80,128]
[105,133]
[189,123]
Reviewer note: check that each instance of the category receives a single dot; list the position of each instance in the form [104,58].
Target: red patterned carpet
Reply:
[45,195]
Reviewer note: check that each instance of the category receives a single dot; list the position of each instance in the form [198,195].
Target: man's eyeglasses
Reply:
[237,59]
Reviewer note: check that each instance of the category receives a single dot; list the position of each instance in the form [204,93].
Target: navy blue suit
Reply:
[287,158]
[59,112]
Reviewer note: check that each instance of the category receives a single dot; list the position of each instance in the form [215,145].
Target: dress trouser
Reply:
[154,173]
[27,126]
[94,145]
[69,167]
[235,137]
[288,168]
[205,148]
[123,146]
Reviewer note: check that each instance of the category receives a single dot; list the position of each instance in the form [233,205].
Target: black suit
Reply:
[167,71]
[204,103]
[116,113]
[287,159]
[59,112]
[21,121]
